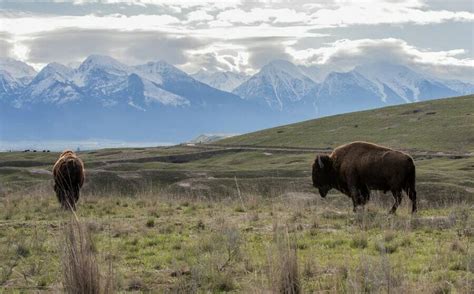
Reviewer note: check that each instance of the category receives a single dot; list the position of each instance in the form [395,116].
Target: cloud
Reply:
[5,45]
[199,15]
[219,56]
[70,45]
[374,13]
[263,15]
[346,13]
[345,54]
[33,24]
[240,35]
[241,55]
[5,48]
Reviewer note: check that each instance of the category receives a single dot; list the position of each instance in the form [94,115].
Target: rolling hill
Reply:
[437,125]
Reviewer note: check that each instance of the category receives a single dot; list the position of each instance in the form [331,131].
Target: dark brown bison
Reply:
[68,174]
[359,167]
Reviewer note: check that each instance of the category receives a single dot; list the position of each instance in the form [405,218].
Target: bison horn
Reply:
[320,162]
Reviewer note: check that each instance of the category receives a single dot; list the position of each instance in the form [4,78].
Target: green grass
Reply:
[154,240]
[211,219]
[437,125]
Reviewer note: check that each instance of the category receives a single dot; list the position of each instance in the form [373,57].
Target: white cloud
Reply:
[258,15]
[373,13]
[199,15]
[345,54]
[28,25]
[182,3]
[239,35]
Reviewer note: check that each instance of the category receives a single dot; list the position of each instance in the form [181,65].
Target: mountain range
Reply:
[104,98]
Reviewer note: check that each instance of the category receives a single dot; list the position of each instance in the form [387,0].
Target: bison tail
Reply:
[410,188]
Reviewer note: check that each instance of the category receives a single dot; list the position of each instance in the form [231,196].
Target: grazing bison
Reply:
[68,174]
[359,167]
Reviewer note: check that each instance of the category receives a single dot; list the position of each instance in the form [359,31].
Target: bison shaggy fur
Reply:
[68,173]
[359,167]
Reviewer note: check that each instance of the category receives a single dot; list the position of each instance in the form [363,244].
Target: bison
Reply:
[68,172]
[359,167]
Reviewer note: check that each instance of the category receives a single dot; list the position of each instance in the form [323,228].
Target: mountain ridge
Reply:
[102,94]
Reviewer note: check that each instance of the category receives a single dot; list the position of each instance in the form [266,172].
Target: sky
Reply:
[435,37]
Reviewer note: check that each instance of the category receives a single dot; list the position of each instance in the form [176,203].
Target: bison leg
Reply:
[398,199]
[365,195]
[354,204]
[356,198]
[412,195]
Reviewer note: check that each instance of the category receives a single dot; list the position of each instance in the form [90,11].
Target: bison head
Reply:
[322,167]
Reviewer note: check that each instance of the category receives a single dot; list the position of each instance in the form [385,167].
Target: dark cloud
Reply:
[130,47]
[262,50]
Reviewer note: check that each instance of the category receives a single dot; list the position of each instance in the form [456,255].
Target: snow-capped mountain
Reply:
[225,81]
[104,98]
[52,85]
[314,72]
[458,86]
[14,75]
[398,81]
[17,69]
[346,92]
[284,87]
[278,84]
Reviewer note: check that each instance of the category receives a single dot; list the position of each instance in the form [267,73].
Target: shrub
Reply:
[22,250]
[150,223]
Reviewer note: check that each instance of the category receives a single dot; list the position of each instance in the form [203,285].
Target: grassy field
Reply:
[231,219]
[436,125]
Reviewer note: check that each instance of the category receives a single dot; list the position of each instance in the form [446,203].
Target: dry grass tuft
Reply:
[80,265]
[283,273]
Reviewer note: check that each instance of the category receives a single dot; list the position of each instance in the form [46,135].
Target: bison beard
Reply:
[68,174]
[359,167]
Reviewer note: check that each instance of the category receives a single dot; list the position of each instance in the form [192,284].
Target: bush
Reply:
[150,223]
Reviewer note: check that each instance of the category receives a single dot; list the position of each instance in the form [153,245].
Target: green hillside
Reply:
[437,125]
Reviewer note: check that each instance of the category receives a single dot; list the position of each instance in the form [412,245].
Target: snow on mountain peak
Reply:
[60,71]
[399,78]
[103,62]
[279,83]
[225,81]
[282,66]
[16,68]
